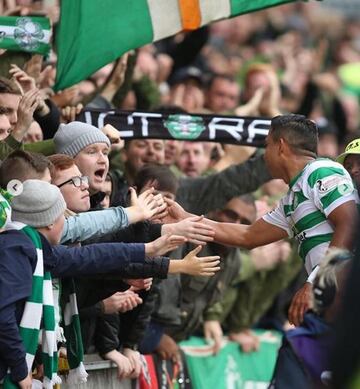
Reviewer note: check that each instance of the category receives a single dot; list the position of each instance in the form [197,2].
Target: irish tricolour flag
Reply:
[93,33]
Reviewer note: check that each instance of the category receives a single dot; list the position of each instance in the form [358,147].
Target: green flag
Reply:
[231,368]
[30,34]
[93,33]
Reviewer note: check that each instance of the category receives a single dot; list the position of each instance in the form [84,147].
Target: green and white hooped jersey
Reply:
[322,186]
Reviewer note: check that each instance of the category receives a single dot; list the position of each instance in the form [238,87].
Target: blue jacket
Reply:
[17,263]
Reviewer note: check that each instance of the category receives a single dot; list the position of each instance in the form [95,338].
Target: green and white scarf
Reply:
[71,321]
[5,209]
[25,33]
[41,305]
[39,309]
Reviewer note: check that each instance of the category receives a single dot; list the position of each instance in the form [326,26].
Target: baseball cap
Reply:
[352,148]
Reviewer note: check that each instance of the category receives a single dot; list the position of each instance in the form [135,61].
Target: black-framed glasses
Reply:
[77,181]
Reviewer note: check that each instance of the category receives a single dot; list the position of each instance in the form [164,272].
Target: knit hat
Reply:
[39,205]
[71,138]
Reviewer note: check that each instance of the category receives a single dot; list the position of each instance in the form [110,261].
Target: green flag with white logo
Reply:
[29,34]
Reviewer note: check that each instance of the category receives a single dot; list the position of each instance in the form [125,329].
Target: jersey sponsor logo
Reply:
[328,184]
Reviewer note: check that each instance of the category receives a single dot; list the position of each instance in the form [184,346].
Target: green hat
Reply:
[352,148]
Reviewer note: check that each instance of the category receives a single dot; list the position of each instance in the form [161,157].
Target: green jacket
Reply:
[251,295]
[207,193]
[10,144]
[46,147]
[7,146]
[197,293]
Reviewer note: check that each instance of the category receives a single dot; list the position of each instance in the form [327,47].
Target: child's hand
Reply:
[200,266]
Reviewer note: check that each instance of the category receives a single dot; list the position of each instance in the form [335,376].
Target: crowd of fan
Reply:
[131,299]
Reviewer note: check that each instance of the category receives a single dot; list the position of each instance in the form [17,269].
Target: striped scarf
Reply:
[39,309]
[71,321]
[41,305]
[5,210]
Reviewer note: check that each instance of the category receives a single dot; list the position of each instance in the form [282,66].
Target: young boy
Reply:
[38,219]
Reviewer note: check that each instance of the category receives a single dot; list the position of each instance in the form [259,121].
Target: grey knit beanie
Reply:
[39,205]
[71,138]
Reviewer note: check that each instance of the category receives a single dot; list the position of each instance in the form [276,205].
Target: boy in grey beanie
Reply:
[89,147]
[39,205]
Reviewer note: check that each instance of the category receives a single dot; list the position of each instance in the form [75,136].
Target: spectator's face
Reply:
[352,165]
[255,81]
[107,188]
[172,151]
[193,160]
[77,198]
[93,161]
[237,211]
[11,103]
[223,95]
[141,152]
[34,133]
[4,127]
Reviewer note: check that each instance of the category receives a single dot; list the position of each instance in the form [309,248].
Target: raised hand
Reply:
[145,206]
[27,106]
[25,81]
[68,114]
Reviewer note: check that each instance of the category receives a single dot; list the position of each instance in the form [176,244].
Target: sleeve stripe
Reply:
[328,199]
[323,172]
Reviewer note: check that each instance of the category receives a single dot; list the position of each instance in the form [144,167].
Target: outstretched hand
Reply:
[192,228]
[175,212]
[200,266]
[163,245]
